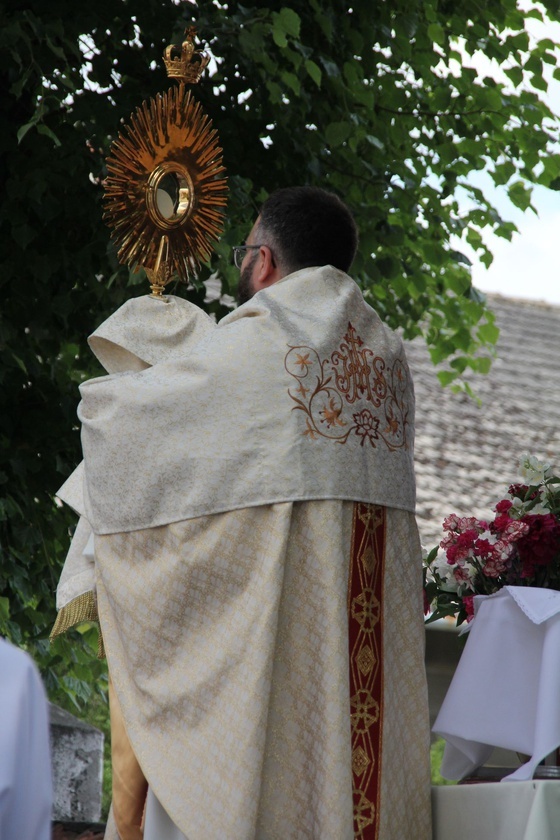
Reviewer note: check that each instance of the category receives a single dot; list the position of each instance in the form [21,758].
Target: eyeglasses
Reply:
[239,252]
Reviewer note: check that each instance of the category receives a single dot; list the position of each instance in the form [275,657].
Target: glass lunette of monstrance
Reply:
[165,191]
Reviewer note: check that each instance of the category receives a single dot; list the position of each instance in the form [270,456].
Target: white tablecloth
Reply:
[497,811]
[506,689]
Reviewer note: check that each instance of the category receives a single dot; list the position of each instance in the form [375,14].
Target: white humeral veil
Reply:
[141,333]
[302,393]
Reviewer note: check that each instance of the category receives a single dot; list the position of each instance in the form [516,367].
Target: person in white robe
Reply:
[26,795]
[256,558]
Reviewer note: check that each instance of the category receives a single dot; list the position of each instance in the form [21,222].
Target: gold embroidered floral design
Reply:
[331,414]
[303,361]
[352,376]
[366,426]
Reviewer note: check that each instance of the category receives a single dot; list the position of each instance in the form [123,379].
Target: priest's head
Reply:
[297,227]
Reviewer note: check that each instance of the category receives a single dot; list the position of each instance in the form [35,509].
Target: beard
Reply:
[245,289]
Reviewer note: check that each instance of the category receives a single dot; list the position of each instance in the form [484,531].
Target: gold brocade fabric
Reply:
[227,641]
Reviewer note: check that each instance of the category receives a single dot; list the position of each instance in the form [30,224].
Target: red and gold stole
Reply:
[365,626]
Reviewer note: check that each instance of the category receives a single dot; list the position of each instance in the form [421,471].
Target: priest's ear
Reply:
[265,271]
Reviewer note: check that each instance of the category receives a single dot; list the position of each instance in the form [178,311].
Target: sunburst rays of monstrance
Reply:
[165,192]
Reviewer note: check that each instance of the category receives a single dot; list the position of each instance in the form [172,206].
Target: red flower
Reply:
[507,528]
[461,547]
[500,523]
[503,506]
[484,548]
[541,543]
[468,603]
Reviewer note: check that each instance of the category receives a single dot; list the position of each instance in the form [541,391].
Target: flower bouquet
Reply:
[520,546]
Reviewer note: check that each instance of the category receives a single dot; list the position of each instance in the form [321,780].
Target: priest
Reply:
[256,558]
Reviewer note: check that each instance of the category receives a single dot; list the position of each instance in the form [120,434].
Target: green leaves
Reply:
[436,33]
[286,23]
[4,613]
[314,71]
[520,195]
[336,133]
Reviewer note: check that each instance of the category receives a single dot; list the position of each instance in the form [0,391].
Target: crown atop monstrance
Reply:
[184,62]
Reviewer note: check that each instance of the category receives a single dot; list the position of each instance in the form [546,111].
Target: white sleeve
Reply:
[25,758]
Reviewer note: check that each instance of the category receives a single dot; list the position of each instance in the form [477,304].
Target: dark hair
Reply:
[309,226]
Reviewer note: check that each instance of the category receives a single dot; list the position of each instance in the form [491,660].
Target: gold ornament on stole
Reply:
[165,192]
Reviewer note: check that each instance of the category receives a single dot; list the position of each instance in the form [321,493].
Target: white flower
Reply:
[444,570]
[228,301]
[532,470]
[213,286]
[542,506]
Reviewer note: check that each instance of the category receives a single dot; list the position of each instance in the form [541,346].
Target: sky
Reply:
[529,265]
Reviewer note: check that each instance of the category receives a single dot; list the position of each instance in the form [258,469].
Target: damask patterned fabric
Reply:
[301,393]
[257,564]
[227,640]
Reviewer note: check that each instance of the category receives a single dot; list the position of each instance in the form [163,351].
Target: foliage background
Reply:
[377,102]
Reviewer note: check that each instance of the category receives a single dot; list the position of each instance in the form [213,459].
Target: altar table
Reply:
[497,811]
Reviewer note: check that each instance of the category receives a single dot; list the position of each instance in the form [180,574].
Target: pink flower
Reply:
[451,522]
[494,567]
[457,524]
[468,523]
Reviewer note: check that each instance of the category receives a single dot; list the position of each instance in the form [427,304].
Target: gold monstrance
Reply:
[165,192]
